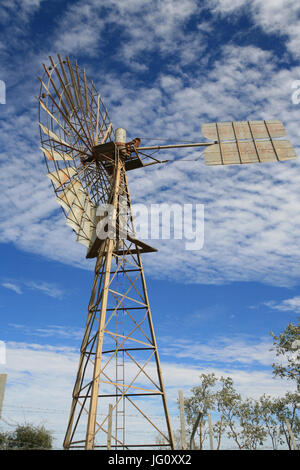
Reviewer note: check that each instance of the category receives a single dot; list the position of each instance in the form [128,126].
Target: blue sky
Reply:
[163,68]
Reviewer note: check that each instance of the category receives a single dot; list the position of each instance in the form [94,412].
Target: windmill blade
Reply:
[87,234]
[52,116]
[65,89]
[60,177]
[52,135]
[94,220]
[64,109]
[97,119]
[91,104]
[86,96]
[66,92]
[76,104]
[74,218]
[84,232]
[75,215]
[84,228]
[58,93]
[52,154]
[76,94]
[74,85]
[55,138]
[65,114]
[89,128]
[67,196]
[65,83]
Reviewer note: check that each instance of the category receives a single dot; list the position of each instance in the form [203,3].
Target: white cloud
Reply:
[280,17]
[18,11]
[286,305]
[142,27]
[47,288]
[230,352]
[56,331]
[12,286]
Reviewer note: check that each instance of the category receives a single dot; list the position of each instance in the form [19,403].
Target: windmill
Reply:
[119,376]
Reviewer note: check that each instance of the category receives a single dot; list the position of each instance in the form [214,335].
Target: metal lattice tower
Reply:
[119,329]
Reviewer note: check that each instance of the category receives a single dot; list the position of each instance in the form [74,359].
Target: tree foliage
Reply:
[287,347]
[26,437]
[251,424]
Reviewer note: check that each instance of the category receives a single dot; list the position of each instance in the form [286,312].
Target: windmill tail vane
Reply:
[119,398]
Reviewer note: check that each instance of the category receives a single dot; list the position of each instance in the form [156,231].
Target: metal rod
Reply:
[175,146]
[155,163]
[110,409]
[127,349]
[124,395]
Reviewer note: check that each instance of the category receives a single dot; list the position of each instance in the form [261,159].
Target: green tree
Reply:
[238,418]
[202,400]
[287,408]
[27,436]
[252,432]
[2,440]
[248,422]
[228,401]
[266,408]
[287,347]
